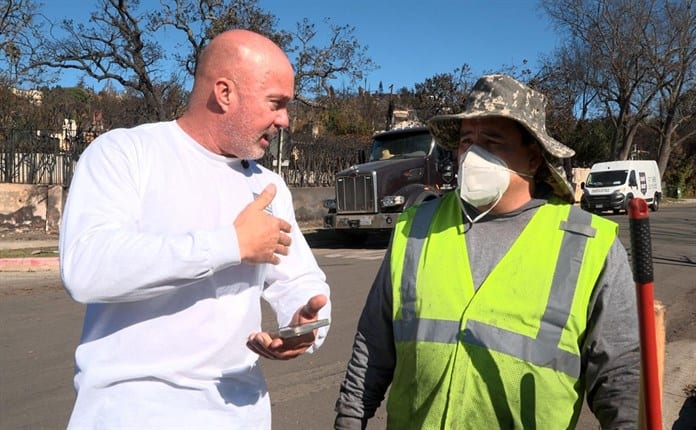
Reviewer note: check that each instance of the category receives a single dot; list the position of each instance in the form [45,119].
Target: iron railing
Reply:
[44,157]
[38,157]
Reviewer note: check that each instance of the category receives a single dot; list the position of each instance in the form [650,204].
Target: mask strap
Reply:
[482,214]
[524,175]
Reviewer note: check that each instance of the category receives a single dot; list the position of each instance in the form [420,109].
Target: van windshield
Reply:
[606,179]
[403,145]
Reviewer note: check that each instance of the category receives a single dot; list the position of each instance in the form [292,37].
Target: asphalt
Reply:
[679,362]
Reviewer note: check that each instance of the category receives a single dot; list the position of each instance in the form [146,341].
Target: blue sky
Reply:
[410,40]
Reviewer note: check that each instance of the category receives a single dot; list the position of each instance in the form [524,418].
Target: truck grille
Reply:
[356,194]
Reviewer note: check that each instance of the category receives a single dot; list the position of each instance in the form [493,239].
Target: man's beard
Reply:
[249,149]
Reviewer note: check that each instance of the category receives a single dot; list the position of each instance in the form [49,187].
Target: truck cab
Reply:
[405,167]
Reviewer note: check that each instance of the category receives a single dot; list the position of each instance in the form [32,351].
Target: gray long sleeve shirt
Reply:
[610,351]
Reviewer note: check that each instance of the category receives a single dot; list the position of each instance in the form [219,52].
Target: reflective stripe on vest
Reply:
[542,351]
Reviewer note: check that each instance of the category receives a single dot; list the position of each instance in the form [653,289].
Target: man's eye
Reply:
[278,104]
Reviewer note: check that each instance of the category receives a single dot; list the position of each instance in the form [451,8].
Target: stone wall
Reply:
[31,206]
[309,202]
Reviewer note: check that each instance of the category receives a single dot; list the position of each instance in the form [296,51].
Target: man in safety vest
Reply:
[499,305]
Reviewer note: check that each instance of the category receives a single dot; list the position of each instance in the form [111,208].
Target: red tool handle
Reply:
[641,256]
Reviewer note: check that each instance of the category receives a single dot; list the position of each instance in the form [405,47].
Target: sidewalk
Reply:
[41,262]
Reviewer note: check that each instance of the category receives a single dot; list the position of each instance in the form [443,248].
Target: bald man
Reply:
[171,235]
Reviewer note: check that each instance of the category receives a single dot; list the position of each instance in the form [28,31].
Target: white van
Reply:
[611,184]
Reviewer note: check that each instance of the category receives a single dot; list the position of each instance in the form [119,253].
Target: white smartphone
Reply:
[299,330]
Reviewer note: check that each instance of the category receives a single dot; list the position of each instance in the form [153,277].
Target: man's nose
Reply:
[283,119]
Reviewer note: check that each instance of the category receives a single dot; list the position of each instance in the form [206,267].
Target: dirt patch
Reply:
[28,291]
[682,321]
[50,251]
[26,234]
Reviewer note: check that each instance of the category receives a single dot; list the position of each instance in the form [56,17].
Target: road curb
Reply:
[28,264]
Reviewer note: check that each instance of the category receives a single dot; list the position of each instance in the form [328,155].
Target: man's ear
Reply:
[225,94]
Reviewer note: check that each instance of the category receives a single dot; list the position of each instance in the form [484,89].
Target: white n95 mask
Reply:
[483,177]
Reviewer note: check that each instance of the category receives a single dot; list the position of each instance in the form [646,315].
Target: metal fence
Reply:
[50,158]
[314,164]
[36,168]
[39,157]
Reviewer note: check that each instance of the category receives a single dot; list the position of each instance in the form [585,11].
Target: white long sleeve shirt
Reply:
[147,241]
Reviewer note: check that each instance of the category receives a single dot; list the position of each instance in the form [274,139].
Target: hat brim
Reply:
[445,130]
[561,187]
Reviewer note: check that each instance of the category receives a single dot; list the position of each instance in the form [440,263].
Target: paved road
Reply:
[40,326]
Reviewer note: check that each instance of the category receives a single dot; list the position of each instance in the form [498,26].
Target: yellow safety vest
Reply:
[507,355]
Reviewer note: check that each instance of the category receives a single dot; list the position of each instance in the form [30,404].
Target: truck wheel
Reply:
[656,203]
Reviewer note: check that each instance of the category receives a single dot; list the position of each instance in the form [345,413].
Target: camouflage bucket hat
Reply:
[503,96]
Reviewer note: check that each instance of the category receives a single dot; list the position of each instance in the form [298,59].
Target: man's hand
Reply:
[284,349]
[261,236]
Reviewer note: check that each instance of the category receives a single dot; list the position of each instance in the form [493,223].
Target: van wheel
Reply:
[656,203]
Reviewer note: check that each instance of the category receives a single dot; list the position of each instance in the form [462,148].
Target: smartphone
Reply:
[299,330]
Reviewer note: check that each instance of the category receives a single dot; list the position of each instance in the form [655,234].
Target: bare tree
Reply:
[19,27]
[443,93]
[566,76]
[201,20]
[614,33]
[674,68]
[564,79]
[638,61]
[120,44]
[116,46]
[317,66]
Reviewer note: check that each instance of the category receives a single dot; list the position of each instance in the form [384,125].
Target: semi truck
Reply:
[404,168]
[611,185]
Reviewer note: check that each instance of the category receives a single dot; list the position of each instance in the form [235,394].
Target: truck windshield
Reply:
[404,145]
[606,179]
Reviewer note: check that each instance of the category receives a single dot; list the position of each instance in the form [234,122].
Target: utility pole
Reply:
[279,155]
[390,109]
[275,148]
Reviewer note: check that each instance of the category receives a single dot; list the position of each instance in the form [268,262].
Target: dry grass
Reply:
[29,252]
